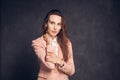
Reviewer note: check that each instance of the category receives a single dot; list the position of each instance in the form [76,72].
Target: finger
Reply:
[51,55]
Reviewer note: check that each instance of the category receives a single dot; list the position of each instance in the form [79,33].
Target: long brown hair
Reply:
[62,35]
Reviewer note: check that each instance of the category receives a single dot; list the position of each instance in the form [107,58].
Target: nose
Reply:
[55,26]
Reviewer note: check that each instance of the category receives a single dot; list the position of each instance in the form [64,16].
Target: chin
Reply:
[54,35]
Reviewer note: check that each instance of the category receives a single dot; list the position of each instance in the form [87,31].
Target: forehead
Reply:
[55,18]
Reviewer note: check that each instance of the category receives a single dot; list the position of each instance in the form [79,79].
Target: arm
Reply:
[41,51]
[68,67]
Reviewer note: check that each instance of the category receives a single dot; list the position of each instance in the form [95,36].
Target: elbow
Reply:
[72,72]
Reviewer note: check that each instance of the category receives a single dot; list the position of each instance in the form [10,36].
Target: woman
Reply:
[54,49]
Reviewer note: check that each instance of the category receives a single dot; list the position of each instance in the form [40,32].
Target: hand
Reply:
[51,57]
[47,38]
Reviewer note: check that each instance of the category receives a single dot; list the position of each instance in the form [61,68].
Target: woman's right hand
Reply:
[47,38]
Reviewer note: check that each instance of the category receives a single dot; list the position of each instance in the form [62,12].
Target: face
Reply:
[54,25]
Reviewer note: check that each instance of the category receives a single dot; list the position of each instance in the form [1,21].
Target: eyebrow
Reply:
[54,22]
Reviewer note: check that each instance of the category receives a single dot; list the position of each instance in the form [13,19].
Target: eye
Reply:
[59,24]
[51,22]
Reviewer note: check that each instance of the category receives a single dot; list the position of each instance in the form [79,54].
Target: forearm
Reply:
[69,69]
[41,54]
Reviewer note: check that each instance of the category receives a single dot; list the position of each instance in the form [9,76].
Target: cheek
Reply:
[49,28]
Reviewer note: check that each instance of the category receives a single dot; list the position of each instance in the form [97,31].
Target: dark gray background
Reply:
[93,26]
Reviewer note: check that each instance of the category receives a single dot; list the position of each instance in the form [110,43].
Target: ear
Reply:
[45,25]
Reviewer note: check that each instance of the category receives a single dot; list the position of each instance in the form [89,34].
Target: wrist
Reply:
[47,43]
[62,64]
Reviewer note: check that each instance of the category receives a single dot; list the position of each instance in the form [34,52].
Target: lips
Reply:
[54,32]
